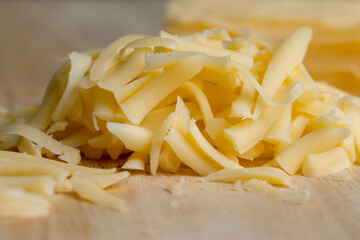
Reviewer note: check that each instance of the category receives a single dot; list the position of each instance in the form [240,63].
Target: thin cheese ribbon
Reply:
[186,45]
[294,92]
[143,101]
[80,64]
[289,54]
[66,153]
[109,57]
[148,42]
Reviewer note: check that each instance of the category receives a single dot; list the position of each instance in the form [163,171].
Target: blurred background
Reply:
[35,36]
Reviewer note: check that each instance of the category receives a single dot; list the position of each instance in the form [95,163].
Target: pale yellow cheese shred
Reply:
[66,153]
[142,102]
[136,161]
[90,191]
[109,57]
[264,188]
[43,185]
[287,56]
[270,174]
[318,141]
[125,72]
[80,64]
[17,203]
[190,155]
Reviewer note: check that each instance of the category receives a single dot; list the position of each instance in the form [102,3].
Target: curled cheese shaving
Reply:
[135,138]
[199,141]
[188,154]
[126,72]
[136,161]
[66,153]
[185,45]
[135,112]
[109,57]
[157,142]
[164,59]
[270,174]
[287,56]
[201,100]
[80,63]
[90,191]
[149,42]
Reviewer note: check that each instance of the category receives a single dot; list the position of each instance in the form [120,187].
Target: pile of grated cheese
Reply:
[207,101]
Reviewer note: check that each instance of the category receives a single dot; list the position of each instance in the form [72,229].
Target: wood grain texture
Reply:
[200,211]
[35,35]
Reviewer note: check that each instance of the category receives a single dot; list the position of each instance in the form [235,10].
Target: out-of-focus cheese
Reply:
[326,163]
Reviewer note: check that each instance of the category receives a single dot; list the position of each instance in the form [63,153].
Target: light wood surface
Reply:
[200,211]
[35,35]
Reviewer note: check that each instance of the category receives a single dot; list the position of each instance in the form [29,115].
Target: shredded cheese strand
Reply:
[66,153]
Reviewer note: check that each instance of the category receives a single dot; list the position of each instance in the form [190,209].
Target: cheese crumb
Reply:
[175,187]
[264,188]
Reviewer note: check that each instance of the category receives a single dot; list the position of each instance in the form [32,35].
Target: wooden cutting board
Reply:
[200,211]
[35,36]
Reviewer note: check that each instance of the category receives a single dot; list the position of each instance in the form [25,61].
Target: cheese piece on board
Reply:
[326,163]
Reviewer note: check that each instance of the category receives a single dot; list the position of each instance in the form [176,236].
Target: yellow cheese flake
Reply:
[175,187]
[326,163]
